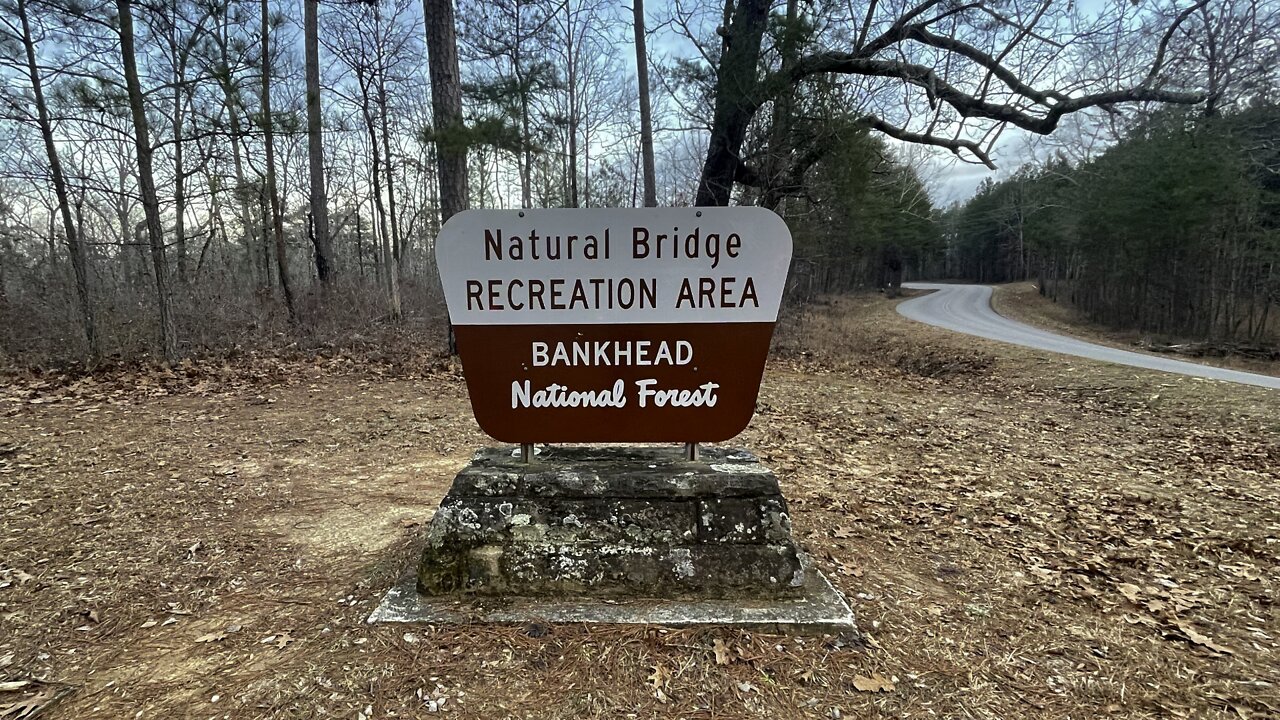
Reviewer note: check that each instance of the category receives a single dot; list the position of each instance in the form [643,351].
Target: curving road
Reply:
[967,309]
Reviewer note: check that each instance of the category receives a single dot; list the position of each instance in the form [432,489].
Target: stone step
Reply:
[609,570]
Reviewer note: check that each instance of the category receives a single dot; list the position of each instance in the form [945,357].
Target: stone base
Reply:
[613,522]
[817,609]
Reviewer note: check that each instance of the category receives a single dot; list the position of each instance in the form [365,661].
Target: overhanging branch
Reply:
[965,104]
[955,145]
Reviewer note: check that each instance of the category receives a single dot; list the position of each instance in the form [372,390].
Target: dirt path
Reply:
[1019,538]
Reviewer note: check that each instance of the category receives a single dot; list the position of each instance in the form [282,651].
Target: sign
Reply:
[614,325]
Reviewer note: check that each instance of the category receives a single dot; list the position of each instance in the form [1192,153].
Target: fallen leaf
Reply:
[1130,592]
[875,683]
[723,654]
[13,685]
[659,677]
[286,638]
[150,623]
[1200,639]
[659,680]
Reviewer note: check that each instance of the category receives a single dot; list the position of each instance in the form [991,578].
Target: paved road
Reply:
[967,309]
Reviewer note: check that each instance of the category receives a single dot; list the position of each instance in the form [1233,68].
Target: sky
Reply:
[948,179]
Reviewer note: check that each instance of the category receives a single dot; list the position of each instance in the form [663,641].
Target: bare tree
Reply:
[446,112]
[367,43]
[949,64]
[75,245]
[146,181]
[273,193]
[646,112]
[315,146]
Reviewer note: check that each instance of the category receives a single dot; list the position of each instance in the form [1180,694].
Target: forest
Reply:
[181,178]
[1174,230]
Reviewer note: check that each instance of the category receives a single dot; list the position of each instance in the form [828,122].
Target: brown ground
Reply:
[1021,535]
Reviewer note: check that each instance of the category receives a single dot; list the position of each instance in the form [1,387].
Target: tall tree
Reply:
[510,38]
[369,45]
[75,244]
[446,112]
[315,145]
[147,181]
[273,193]
[223,67]
[646,112]
[451,135]
[179,46]
[393,260]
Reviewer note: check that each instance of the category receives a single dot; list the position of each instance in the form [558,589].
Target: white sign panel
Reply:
[610,266]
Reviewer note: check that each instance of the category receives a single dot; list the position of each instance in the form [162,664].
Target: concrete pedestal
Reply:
[643,534]
[612,522]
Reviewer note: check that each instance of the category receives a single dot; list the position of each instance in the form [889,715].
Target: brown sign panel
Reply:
[647,325]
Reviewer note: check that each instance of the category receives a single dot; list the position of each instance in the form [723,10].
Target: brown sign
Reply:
[628,325]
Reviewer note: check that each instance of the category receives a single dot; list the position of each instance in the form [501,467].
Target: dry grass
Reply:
[1021,535]
[1023,301]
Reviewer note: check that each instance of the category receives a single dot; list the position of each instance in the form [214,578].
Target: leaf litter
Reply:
[1017,533]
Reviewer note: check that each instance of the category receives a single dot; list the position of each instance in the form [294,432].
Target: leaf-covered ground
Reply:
[1020,534]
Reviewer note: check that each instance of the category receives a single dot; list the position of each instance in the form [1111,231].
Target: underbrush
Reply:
[40,338]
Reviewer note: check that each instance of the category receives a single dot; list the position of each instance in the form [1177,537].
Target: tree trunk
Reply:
[147,182]
[315,147]
[75,244]
[359,237]
[572,83]
[446,112]
[736,86]
[179,179]
[268,140]
[397,244]
[446,106]
[774,194]
[646,113]
[526,151]
[386,264]
[526,146]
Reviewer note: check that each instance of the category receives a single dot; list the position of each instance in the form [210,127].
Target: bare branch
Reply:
[1164,41]
[955,145]
[964,103]
[993,65]
[866,26]
[896,31]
